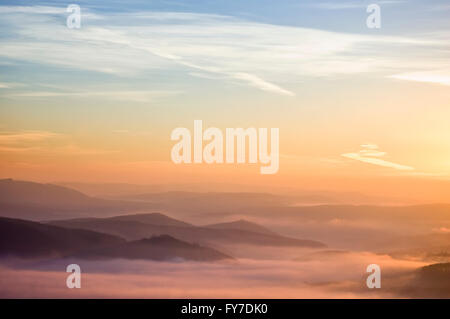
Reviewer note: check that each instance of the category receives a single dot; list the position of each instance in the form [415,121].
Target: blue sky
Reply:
[401,15]
[412,25]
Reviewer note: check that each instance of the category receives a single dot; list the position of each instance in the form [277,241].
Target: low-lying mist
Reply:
[319,274]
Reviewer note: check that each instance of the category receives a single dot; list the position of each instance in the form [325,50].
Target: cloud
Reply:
[25,141]
[259,55]
[18,149]
[32,9]
[377,161]
[370,146]
[44,10]
[261,84]
[39,141]
[435,77]
[348,5]
[26,136]
[370,155]
[10,85]
[134,96]
[72,149]
[441,230]
[335,276]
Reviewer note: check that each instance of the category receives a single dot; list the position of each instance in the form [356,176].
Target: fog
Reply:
[321,274]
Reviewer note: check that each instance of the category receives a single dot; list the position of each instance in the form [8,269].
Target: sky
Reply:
[358,109]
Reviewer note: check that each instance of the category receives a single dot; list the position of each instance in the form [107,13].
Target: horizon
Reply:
[129,189]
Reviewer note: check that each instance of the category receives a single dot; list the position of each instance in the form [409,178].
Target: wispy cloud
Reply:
[44,10]
[134,96]
[10,85]
[26,136]
[434,77]
[73,149]
[18,149]
[261,84]
[349,5]
[32,9]
[25,141]
[271,58]
[50,143]
[370,154]
[441,230]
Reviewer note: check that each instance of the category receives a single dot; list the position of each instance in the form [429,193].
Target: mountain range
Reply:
[135,227]
[36,201]
[27,239]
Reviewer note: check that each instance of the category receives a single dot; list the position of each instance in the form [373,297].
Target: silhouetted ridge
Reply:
[36,201]
[163,240]
[34,240]
[242,224]
[152,218]
[138,227]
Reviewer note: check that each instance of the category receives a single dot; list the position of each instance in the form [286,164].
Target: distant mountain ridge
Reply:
[141,226]
[244,225]
[36,201]
[183,199]
[13,191]
[153,218]
[28,239]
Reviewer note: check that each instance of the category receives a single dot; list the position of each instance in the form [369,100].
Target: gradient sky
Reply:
[358,109]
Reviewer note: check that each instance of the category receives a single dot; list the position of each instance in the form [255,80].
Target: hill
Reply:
[28,239]
[139,227]
[36,201]
[242,225]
